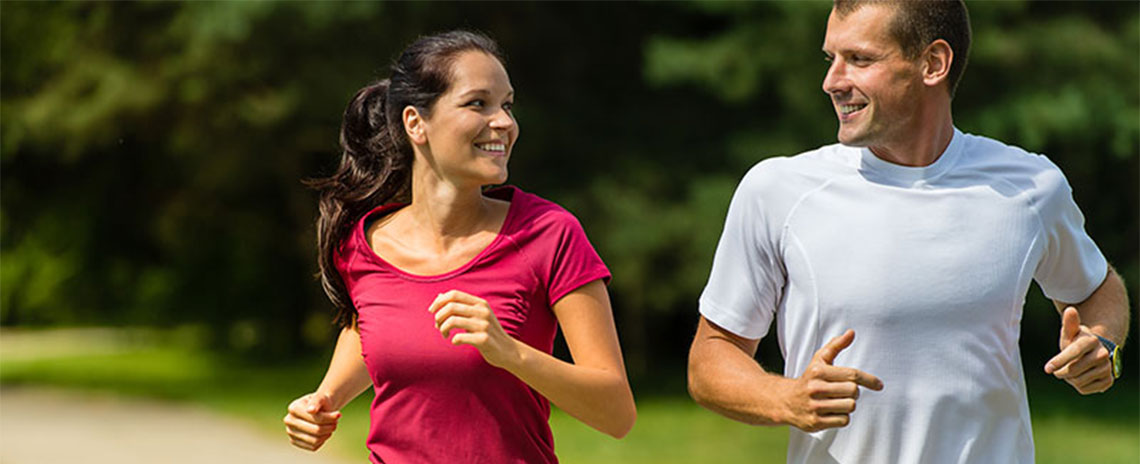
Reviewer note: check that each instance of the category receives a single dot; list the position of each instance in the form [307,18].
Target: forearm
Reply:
[1105,312]
[728,381]
[593,389]
[599,397]
[347,376]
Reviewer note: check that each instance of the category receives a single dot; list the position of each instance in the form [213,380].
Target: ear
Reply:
[936,61]
[415,125]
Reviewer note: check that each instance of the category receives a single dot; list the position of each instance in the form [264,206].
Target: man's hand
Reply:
[824,396]
[1083,360]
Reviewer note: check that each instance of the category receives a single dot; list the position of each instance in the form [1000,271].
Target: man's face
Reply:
[872,85]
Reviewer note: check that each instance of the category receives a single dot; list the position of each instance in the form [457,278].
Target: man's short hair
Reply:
[917,23]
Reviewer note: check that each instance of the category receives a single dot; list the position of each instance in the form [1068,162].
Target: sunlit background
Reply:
[158,244]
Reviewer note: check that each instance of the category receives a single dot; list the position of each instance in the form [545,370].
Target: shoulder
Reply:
[532,214]
[783,179]
[982,150]
[1026,172]
[354,243]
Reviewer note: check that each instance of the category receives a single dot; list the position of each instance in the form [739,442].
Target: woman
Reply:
[449,296]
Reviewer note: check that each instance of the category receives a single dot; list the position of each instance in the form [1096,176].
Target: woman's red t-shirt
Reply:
[440,403]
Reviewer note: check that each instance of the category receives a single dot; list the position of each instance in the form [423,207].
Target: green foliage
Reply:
[152,153]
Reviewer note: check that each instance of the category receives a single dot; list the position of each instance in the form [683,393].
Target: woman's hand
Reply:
[310,421]
[454,310]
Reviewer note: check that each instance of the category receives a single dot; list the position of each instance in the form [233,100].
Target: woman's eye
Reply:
[475,103]
[508,106]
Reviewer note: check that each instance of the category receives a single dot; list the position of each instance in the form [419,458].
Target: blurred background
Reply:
[157,241]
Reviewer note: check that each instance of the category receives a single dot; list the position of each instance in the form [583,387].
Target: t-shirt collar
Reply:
[909,176]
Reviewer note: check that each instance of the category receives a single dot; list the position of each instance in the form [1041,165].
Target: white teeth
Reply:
[492,146]
[848,109]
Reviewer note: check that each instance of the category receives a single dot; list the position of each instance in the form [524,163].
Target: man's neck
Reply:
[922,148]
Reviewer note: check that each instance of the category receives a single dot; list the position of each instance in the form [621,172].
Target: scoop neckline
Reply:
[506,192]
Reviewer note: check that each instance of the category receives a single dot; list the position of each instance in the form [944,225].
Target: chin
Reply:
[498,178]
[857,137]
[852,140]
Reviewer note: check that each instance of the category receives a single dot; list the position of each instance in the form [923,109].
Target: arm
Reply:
[1083,361]
[347,376]
[1105,312]
[724,378]
[593,389]
[312,418]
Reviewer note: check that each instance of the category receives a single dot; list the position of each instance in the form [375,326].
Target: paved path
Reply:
[56,427]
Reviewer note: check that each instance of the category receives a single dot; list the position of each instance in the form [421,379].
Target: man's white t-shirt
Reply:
[930,266]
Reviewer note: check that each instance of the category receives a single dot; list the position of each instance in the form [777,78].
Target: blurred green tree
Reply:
[152,153]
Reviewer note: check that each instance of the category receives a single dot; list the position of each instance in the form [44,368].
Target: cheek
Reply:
[887,90]
[906,82]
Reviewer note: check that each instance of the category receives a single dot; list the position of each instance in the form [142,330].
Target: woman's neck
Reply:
[447,213]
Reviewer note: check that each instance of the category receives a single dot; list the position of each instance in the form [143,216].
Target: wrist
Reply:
[785,411]
[333,404]
[1102,331]
[338,397]
[1114,355]
[515,358]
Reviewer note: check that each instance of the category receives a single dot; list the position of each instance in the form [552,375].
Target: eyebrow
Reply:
[860,49]
[472,92]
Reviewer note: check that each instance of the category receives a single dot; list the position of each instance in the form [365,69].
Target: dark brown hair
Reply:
[918,23]
[376,155]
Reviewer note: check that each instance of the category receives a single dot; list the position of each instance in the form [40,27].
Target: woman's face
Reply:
[470,132]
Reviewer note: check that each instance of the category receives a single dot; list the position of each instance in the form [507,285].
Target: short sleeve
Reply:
[747,277]
[1071,266]
[574,261]
[344,254]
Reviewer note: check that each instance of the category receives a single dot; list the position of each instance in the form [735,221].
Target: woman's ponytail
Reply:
[373,171]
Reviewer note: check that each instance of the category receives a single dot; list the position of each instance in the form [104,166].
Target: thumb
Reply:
[829,351]
[1070,326]
[319,401]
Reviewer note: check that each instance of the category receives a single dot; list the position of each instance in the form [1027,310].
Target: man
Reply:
[920,239]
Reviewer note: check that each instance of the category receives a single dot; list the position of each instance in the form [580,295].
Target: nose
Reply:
[835,81]
[503,120]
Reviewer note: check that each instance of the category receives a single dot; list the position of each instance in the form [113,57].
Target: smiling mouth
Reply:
[848,109]
[493,147]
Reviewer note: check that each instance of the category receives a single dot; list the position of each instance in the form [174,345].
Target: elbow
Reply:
[702,386]
[698,395]
[622,415]
[621,427]
[697,388]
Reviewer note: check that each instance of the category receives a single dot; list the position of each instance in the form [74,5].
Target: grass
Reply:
[670,429]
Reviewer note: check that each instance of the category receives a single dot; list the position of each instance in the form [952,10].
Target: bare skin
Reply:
[724,377]
[593,388]
[901,106]
[311,419]
[1084,361]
